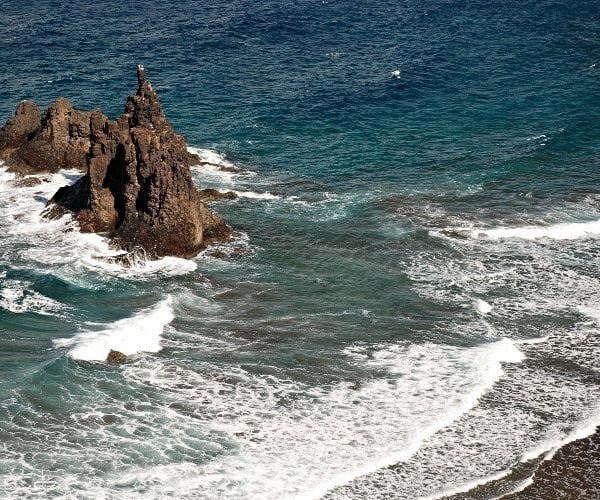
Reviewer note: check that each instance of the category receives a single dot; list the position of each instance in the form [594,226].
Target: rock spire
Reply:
[137,188]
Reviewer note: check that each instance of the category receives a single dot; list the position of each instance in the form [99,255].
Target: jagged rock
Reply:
[116,357]
[213,195]
[20,128]
[193,159]
[138,185]
[59,140]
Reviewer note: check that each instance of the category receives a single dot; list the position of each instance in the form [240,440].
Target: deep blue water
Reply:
[415,274]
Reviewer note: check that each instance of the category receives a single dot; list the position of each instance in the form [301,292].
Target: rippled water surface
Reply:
[410,305]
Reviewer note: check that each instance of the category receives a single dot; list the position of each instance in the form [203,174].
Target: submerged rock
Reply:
[116,357]
[214,195]
[223,168]
[138,186]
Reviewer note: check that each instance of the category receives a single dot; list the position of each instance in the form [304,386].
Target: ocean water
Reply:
[410,306]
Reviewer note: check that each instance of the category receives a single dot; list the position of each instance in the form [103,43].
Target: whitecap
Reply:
[564,231]
[347,429]
[139,333]
[537,137]
[257,196]
[482,306]
[17,297]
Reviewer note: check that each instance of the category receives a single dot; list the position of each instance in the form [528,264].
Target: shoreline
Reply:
[572,472]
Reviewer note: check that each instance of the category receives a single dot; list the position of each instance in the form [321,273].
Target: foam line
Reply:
[548,448]
[500,352]
[567,231]
[468,486]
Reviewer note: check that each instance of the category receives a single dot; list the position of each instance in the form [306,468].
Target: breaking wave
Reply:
[139,333]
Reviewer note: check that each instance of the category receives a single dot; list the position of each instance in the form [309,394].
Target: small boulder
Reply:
[116,357]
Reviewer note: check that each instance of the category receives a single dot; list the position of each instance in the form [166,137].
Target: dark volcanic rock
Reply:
[116,357]
[59,140]
[138,185]
[20,128]
[212,195]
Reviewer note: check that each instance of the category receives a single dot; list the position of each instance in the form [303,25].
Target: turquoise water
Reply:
[414,281]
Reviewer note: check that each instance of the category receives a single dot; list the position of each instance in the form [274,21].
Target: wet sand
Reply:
[572,473]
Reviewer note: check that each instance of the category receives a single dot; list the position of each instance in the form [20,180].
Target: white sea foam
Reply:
[211,157]
[212,175]
[566,231]
[257,196]
[487,370]
[540,293]
[468,486]
[303,441]
[139,333]
[327,206]
[18,297]
[135,265]
[216,170]
[482,306]
[540,139]
[549,447]
[58,243]
[533,341]
[591,311]
[239,245]
[537,137]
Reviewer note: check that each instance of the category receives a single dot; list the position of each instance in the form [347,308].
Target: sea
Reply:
[410,306]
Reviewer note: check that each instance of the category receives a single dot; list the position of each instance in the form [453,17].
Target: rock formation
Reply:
[138,185]
[137,188]
[211,194]
[60,139]
[20,129]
